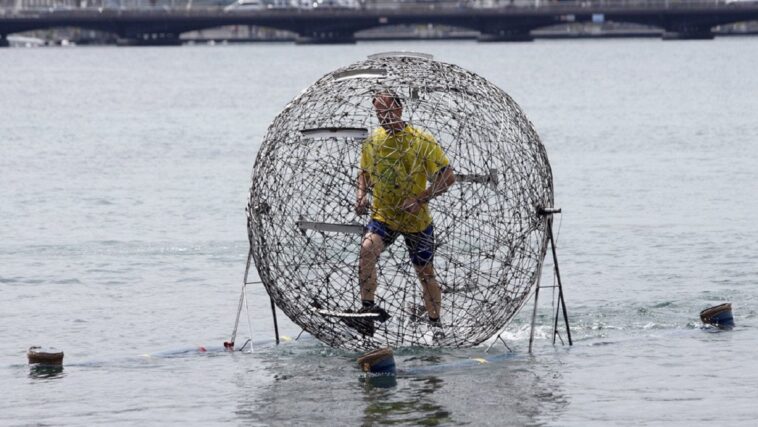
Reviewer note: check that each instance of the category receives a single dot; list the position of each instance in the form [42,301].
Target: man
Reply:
[396,162]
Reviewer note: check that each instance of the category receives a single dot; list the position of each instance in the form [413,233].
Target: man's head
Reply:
[389,110]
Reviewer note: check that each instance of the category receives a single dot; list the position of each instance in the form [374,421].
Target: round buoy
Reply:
[380,361]
[45,356]
[719,316]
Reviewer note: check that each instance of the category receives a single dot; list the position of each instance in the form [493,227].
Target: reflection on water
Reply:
[46,372]
[416,404]
[379,380]
[311,384]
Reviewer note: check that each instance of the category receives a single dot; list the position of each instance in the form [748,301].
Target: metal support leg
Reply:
[548,214]
[561,300]
[504,343]
[534,315]
[555,324]
[537,294]
[230,344]
[276,326]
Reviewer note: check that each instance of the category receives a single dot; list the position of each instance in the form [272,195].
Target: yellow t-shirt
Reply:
[398,167]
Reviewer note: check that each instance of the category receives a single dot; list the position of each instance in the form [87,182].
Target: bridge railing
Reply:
[550,4]
[204,6]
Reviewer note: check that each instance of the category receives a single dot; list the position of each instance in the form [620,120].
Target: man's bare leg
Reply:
[432,293]
[371,247]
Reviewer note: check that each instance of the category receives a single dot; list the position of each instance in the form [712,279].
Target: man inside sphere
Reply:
[396,162]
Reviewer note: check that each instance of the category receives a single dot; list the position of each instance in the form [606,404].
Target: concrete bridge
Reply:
[156,26]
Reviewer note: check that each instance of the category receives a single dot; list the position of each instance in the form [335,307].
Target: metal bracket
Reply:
[334,132]
[491,178]
[330,227]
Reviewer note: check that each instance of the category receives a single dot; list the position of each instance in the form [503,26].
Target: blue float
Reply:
[379,361]
[719,316]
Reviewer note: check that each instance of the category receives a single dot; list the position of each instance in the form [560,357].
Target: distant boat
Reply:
[245,5]
[23,41]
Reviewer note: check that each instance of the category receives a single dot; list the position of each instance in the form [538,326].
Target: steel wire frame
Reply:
[489,238]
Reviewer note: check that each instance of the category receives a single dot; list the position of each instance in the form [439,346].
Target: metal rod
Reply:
[276,326]
[333,132]
[536,295]
[534,312]
[330,227]
[557,306]
[490,178]
[344,315]
[504,343]
[249,323]
[561,300]
[492,344]
[237,320]
[360,74]
[401,54]
[555,321]
[545,211]
[241,300]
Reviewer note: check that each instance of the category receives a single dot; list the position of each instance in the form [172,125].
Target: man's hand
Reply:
[411,205]
[361,206]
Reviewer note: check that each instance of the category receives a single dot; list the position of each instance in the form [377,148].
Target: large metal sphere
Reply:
[490,242]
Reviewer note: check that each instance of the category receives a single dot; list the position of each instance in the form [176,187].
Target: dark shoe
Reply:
[383,315]
[365,325]
[361,324]
[437,333]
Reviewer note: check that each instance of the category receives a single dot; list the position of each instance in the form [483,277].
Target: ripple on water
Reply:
[658,224]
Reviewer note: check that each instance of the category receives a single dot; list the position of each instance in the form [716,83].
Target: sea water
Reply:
[124,181]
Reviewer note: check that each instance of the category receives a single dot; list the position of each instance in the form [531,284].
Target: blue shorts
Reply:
[420,245]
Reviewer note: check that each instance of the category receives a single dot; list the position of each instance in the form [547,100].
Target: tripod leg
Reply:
[561,300]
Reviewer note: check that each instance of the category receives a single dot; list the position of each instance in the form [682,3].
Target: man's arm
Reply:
[362,203]
[443,180]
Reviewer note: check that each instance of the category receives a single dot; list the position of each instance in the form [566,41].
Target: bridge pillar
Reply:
[506,35]
[325,37]
[688,32]
[4,40]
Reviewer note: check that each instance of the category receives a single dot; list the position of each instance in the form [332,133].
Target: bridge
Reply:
[163,26]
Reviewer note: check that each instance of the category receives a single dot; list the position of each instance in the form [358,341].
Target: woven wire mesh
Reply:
[490,241]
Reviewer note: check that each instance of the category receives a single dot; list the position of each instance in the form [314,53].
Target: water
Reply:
[124,181]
